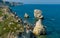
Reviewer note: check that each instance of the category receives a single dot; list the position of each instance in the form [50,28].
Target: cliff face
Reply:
[9,23]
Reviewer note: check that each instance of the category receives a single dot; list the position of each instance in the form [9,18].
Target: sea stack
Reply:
[38,13]
[39,28]
[26,15]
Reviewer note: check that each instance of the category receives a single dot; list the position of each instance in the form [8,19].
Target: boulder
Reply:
[39,28]
[38,13]
[26,15]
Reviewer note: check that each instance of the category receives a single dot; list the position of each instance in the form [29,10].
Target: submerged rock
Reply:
[39,28]
[26,15]
[38,13]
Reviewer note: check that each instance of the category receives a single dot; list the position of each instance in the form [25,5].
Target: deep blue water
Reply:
[51,13]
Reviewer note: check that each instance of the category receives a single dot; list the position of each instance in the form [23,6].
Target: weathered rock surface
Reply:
[39,28]
[38,13]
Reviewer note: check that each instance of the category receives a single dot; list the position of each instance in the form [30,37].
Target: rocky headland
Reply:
[11,25]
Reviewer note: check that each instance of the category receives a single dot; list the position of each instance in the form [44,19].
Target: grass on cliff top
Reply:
[0,13]
[5,27]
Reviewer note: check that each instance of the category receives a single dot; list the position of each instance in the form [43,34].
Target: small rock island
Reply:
[26,15]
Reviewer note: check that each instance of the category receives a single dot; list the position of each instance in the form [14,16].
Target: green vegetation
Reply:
[0,12]
[9,25]
[42,36]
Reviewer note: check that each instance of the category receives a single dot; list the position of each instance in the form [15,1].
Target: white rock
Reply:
[26,15]
[37,13]
[38,27]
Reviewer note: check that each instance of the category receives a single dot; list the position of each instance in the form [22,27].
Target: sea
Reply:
[51,13]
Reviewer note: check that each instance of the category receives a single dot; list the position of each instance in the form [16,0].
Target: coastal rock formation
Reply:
[26,15]
[38,13]
[39,28]
[11,25]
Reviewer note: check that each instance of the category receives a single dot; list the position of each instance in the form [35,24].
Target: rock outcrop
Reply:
[26,15]
[39,28]
[38,14]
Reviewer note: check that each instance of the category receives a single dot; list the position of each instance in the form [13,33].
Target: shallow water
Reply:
[51,15]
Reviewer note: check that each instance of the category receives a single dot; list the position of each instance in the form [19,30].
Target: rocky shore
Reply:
[12,26]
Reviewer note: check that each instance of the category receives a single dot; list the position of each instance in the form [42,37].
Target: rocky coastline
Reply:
[11,25]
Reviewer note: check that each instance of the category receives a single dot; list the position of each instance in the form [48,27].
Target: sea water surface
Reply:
[51,13]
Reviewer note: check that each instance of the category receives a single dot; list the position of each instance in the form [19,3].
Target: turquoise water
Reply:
[51,15]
